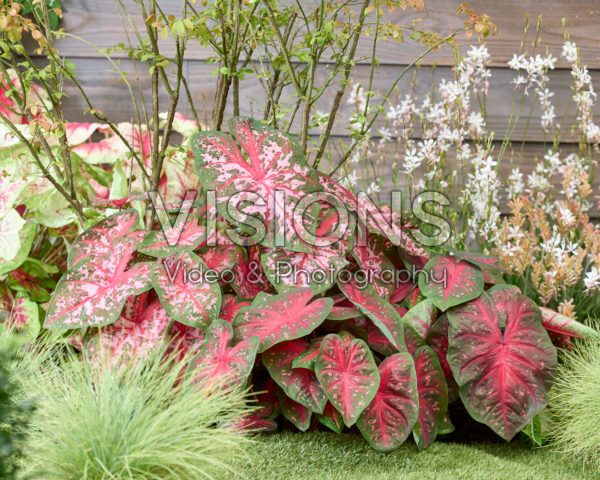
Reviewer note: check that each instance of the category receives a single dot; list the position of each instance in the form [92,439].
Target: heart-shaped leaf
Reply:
[93,293]
[219,360]
[437,339]
[379,310]
[421,317]
[308,357]
[390,417]
[277,318]
[364,328]
[349,375]
[563,325]
[258,172]
[450,282]
[295,412]
[503,373]
[98,240]
[168,242]
[331,418]
[230,307]
[433,396]
[188,296]
[300,384]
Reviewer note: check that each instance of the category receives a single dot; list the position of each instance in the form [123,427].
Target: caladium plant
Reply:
[388,357]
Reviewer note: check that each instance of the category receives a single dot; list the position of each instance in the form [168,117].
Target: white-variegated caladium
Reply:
[93,292]
[222,362]
[277,318]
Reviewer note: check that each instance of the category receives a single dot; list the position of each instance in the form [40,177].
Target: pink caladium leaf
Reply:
[10,189]
[485,262]
[258,172]
[168,242]
[230,306]
[93,293]
[503,373]
[401,291]
[219,360]
[220,259]
[98,240]
[316,267]
[437,339]
[343,309]
[249,278]
[364,328]
[433,396]
[300,384]
[261,420]
[140,329]
[500,294]
[185,292]
[450,282]
[331,418]
[103,152]
[379,310]
[372,260]
[348,374]
[562,325]
[391,415]
[308,357]
[277,318]
[421,317]
[21,313]
[295,412]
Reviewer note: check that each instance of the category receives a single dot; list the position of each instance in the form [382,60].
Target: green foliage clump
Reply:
[575,405]
[134,421]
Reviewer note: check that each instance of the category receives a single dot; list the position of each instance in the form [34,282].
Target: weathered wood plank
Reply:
[110,95]
[101,23]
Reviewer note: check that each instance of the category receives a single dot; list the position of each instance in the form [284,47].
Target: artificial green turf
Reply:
[326,456]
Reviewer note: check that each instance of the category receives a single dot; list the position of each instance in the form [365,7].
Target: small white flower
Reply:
[592,279]
[569,51]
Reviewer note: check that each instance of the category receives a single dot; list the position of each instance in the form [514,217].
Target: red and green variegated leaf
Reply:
[343,309]
[450,282]
[500,294]
[300,384]
[21,313]
[139,330]
[219,259]
[349,375]
[10,189]
[98,240]
[364,328]
[503,374]
[482,261]
[295,412]
[230,306]
[421,317]
[308,357]
[561,324]
[373,261]
[220,361]
[166,243]
[402,291]
[331,418]
[93,293]
[437,339]
[446,426]
[249,279]
[185,292]
[277,318]
[261,420]
[379,310]
[390,417]
[412,340]
[258,164]
[433,396]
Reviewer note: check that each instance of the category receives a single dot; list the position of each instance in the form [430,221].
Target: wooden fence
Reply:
[101,23]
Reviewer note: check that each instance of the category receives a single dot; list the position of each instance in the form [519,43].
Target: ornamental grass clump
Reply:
[146,419]
[575,405]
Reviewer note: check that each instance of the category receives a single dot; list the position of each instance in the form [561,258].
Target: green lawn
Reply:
[325,456]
